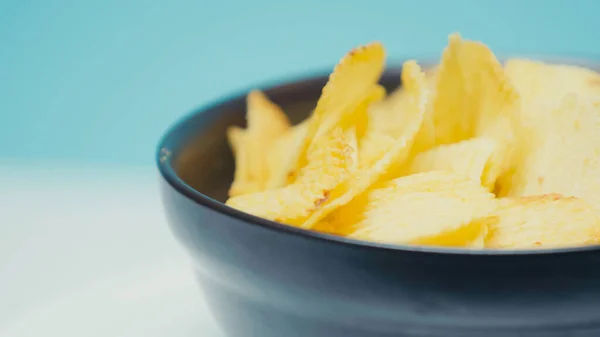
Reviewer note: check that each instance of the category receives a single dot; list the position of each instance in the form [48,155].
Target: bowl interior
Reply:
[194,155]
[198,148]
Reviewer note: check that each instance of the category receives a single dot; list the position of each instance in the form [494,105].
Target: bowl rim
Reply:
[164,161]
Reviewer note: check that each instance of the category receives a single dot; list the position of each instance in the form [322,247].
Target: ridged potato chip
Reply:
[543,85]
[561,154]
[373,146]
[266,122]
[385,123]
[284,157]
[472,98]
[545,221]
[360,118]
[559,148]
[265,117]
[471,235]
[412,111]
[244,182]
[469,158]
[351,83]
[281,152]
[472,92]
[235,137]
[330,162]
[434,208]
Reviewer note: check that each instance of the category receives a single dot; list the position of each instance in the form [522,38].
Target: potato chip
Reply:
[326,227]
[235,136]
[435,207]
[283,153]
[266,121]
[385,124]
[265,117]
[468,158]
[412,111]
[472,98]
[373,147]
[360,118]
[351,82]
[280,154]
[387,117]
[243,181]
[346,220]
[471,235]
[543,85]
[544,221]
[425,139]
[561,154]
[558,146]
[472,92]
[328,163]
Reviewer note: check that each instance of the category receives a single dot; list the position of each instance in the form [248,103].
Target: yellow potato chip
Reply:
[266,122]
[471,235]
[398,98]
[265,117]
[468,158]
[374,146]
[385,124]
[412,111]
[545,221]
[472,92]
[472,98]
[235,137]
[435,208]
[280,154]
[351,82]
[387,117]
[360,118]
[342,220]
[326,227]
[243,181]
[558,146]
[330,162]
[352,138]
[543,85]
[561,154]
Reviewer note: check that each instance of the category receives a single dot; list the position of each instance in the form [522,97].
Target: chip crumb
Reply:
[320,201]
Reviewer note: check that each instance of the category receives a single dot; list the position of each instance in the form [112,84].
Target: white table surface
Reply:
[86,251]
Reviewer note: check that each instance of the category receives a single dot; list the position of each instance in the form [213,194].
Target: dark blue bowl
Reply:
[265,279]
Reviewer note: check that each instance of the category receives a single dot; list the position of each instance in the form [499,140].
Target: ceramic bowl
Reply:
[266,279]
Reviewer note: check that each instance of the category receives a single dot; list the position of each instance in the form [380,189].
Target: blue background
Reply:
[99,81]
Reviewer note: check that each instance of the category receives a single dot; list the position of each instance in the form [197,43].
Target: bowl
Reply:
[265,279]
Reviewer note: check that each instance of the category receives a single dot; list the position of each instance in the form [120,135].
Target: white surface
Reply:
[87,252]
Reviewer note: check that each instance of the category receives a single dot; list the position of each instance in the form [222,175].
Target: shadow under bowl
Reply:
[265,279]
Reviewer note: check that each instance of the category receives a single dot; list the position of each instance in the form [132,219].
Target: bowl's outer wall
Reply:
[271,283]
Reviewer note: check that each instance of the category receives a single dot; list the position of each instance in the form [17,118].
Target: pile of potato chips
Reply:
[471,154]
